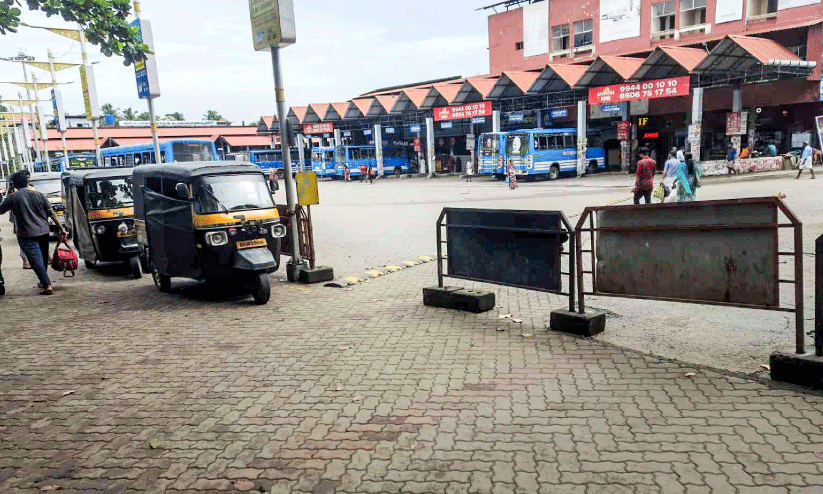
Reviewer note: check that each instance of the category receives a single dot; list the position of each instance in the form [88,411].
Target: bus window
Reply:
[163,157]
[151,158]
[354,154]
[137,159]
[370,153]
[490,145]
[129,159]
[107,161]
[339,155]
[192,151]
[568,141]
[121,160]
[146,158]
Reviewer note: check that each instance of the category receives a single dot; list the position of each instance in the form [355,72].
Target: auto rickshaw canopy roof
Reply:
[185,172]
[79,176]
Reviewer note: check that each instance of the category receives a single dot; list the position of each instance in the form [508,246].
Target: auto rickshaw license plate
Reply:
[127,234]
[250,244]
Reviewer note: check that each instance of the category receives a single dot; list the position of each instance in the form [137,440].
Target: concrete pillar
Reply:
[420,156]
[301,153]
[737,100]
[581,137]
[539,115]
[430,144]
[696,131]
[496,121]
[338,137]
[378,148]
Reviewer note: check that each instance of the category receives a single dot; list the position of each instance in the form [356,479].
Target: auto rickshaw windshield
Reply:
[223,193]
[51,188]
[109,193]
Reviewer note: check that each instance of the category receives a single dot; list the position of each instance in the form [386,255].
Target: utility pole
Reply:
[25,132]
[39,117]
[147,39]
[94,112]
[61,118]
[22,58]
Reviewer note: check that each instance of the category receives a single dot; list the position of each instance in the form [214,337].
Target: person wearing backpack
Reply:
[31,215]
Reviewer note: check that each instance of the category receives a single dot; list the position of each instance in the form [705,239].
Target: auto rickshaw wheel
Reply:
[261,289]
[90,264]
[161,281]
[136,271]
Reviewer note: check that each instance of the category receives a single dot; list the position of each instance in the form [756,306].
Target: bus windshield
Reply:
[491,145]
[518,145]
[192,151]
[219,194]
[51,188]
[110,193]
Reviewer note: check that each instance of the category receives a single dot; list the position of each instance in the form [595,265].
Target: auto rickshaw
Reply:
[49,184]
[100,212]
[209,221]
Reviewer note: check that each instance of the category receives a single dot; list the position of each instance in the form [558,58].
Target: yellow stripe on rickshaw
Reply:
[221,219]
[110,214]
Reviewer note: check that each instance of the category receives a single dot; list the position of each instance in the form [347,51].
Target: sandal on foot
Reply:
[47,291]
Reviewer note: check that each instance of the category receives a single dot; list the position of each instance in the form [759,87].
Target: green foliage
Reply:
[144,116]
[213,115]
[129,114]
[104,22]
[175,116]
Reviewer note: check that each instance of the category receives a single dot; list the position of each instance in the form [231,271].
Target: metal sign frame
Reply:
[794,223]
[442,223]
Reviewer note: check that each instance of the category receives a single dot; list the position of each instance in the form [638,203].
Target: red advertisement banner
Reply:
[461,112]
[623,130]
[637,91]
[318,128]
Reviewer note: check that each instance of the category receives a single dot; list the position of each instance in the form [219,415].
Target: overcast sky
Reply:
[206,60]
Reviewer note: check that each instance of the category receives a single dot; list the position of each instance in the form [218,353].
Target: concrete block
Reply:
[319,274]
[588,324]
[451,297]
[801,369]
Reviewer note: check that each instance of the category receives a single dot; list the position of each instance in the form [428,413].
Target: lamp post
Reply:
[23,58]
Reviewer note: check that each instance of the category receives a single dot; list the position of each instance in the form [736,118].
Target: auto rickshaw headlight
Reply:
[123,228]
[278,230]
[216,239]
[100,229]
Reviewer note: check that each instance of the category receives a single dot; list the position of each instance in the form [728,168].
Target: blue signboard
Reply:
[367,132]
[389,130]
[560,113]
[610,108]
[479,120]
[346,133]
[515,117]
[110,120]
[446,125]
[414,128]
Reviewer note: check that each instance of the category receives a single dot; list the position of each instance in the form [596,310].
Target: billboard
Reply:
[89,92]
[272,23]
[460,112]
[57,104]
[318,128]
[145,71]
[536,29]
[636,91]
[619,19]
[728,11]
[790,4]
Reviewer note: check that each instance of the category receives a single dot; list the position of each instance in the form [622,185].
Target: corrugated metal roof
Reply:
[416,96]
[736,54]
[386,101]
[145,132]
[607,70]
[513,83]
[557,77]
[669,61]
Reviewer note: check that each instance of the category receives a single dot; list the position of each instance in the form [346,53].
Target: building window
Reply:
[799,50]
[560,38]
[518,46]
[762,8]
[663,20]
[692,13]
[583,33]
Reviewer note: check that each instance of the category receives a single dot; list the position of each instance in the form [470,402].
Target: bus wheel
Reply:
[280,174]
[397,171]
[261,289]
[592,167]
[554,173]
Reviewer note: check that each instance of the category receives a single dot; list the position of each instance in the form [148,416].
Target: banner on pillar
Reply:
[636,91]
[695,131]
[461,112]
[318,128]
[737,123]
[623,130]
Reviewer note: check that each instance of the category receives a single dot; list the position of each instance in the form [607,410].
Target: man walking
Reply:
[669,174]
[31,216]
[806,160]
[644,184]
[731,156]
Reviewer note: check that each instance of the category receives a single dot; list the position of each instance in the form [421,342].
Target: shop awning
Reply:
[513,83]
[738,54]
[475,89]
[557,77]
[669,61]
[606,70]
[409,100]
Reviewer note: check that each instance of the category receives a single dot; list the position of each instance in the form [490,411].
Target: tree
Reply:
[129,114]
[213,115]
[104,22]
[144,116]
[175,116]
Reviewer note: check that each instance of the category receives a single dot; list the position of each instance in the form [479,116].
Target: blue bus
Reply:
[172,151]
[322,162]
[273,159]
[82,160]
[359,158]
[550,152]
[490,149]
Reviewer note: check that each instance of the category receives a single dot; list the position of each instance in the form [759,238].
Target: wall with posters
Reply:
[619,19]
[536,29]
[713,168]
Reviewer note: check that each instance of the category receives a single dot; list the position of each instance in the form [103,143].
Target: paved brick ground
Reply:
[111,386]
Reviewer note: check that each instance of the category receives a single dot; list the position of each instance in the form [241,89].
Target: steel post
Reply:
[301,153]
[430,146]
[378,147]
[291,193]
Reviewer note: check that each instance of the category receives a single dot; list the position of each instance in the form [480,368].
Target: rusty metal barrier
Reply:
[305,231]
[623,282]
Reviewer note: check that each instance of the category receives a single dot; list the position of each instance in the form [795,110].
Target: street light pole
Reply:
[43,132]
[152,118]
[94,120]
[62,129]
[291,193]
[22,58]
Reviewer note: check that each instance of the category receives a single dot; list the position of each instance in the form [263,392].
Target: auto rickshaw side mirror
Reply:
[182,191]
[274,185]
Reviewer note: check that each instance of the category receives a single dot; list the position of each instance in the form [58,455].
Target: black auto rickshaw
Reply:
[211,221]
[100,213]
